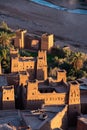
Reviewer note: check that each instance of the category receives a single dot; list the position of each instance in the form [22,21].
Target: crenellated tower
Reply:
[61,75]
[19,40]
[41,73]
[74,108]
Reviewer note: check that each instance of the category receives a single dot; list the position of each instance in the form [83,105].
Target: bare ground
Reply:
[68,27]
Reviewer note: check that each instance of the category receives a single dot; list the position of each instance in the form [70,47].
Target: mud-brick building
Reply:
[58,94]
[47,41]
[36,98]
[32,42]
[74,102]
[56,118]
[19,39]
[36,67]
[23,40]
[41,73]
[8,97]
[23,64]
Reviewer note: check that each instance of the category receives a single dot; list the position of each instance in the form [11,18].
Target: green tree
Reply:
[78,63]
[4,39]
[4,25]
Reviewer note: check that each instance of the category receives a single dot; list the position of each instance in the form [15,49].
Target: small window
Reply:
[74,107]
[50,98]
[7,98]
[32,93]
[46,99]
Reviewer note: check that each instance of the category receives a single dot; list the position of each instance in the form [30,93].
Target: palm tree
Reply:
[4,25]
[77,61]
[4,54]
[4,39]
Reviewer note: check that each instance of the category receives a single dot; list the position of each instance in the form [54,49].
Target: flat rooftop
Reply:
[83,119]
[26,59]
[10,119]
[9,116]
[57,87]
[33,119]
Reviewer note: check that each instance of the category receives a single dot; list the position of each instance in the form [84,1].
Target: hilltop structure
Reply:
[47,41]
[19,40]
[37,68]
[24,41]
[29,87]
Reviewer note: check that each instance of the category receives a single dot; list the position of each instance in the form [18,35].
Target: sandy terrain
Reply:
[72,28]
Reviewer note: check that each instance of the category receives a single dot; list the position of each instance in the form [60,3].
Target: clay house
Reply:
[32,42]
[19,39]
[47,42]
[8,97]
[36,67]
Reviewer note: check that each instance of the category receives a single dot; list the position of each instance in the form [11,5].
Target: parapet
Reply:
[21,31]
[32,84]
[14,52]
[33,81]
[61,75]
[42,55]
[8,87]
[74,84]
[46,35]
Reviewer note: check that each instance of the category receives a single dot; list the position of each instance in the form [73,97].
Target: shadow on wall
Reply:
[40,74]
[34,104]
[6,105]
[84,108]
[31,73]
[73,113]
